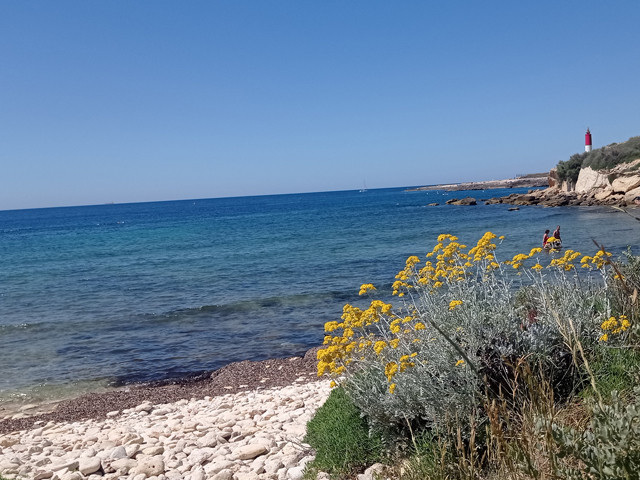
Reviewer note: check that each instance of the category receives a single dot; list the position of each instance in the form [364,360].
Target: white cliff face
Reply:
[620,181]
[590,179]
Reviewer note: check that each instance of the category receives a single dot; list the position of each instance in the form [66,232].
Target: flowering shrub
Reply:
[458,322]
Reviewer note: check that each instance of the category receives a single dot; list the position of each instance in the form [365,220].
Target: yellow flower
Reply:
[392,388]
[419,326]
[379,346]
[390,370]
[394,343]
[333,384]
[366,287]
[537,267]
[604,338]
[459,362]
[331,326]
[454,303]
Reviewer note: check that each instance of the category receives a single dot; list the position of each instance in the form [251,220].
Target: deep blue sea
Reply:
[106,295]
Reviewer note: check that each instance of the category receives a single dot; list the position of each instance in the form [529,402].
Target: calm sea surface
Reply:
[105,295]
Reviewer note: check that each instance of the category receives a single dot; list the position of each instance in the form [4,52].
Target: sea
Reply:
[98,297]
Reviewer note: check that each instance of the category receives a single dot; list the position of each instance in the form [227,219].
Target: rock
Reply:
[69,464]
[89,465]
[144,407]
[151,451]
[39,475]
[433,205]
[462,201]
[374,472]
[150,466]
[626,183]
[295,473]
[123,465]
[513,209]
[217,466]
[198,474]
[224,474]
[118,452]
[632,197]
[554,180]
[602,194]
[249,452]
[589,179]
[209,440]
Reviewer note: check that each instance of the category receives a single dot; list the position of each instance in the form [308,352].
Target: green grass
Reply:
[615,369]
[340,437]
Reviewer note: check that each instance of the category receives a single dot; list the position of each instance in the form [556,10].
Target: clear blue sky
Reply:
[126,101]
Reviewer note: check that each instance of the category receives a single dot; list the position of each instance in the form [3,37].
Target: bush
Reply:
[599,159]
[340,437]
[457,332]
[614,154]
[476,367]
[570,169]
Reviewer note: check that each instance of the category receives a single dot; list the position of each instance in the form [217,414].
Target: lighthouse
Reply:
[587,141]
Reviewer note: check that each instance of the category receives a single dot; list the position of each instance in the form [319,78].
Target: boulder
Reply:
[632,197]
[626,183]
[603,194]
[462,201]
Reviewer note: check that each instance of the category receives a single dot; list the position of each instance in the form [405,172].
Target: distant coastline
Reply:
[524,181]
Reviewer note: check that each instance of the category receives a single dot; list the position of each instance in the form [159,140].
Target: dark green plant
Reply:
[599,159]
[614,154]
[570,169]
[341,437]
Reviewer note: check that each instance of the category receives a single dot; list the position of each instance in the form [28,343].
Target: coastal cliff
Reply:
[617,186]
[606,176]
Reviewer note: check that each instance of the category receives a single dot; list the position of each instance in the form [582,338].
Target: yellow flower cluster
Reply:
[376,333]
[454,303]
[614,326]
[598,261]
[449,266]
[518,260]
[366,287]
[566,261]
[337,354]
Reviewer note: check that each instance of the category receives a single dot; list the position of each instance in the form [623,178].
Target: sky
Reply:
[129,101]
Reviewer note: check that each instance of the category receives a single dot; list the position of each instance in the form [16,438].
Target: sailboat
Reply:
[364,187]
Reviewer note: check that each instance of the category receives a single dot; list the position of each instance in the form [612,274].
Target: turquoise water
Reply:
[112,294]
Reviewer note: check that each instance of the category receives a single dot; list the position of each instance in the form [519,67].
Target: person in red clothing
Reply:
[545,238]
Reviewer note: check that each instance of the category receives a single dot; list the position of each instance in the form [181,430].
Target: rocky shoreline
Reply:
[238,376]
[244,421]
[525,181]
[248,435]
[555,197]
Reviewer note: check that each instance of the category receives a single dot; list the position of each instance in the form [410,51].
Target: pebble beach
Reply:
[245,421]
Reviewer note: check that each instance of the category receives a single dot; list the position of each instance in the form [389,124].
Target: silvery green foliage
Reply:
[489,330]
[608,449]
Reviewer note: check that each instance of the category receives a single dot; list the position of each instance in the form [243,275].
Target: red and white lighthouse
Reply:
[587,141]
